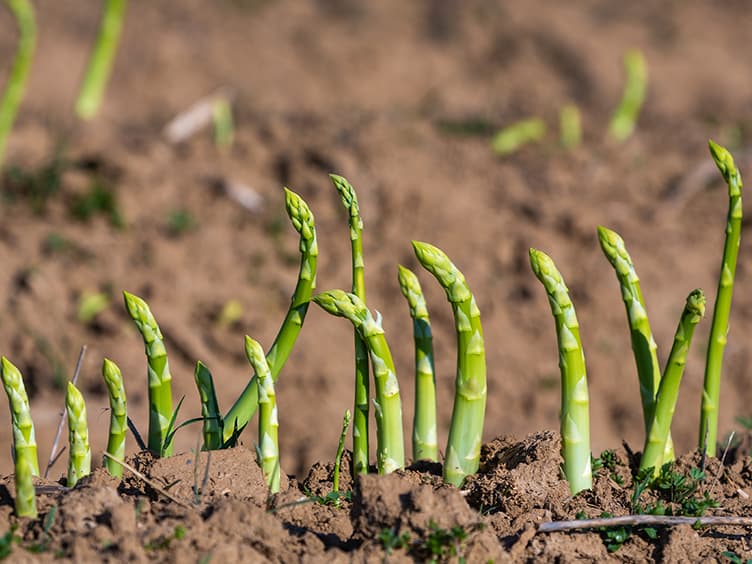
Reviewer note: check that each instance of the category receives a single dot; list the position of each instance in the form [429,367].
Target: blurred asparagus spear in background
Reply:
[625,116]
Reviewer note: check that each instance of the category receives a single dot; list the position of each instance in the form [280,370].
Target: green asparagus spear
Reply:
[517,135]
[625,116]
[719,329]
[102,57]
[643,344]
[160,380]
[340,450]
[570,127]
[302,220]
[26,499]
[79,454]
[268,420]
[468,413]
[209,408]
[360,424]
[425,442]
[118,416]
[575,417]
[668,393]
[390,448]
[24,442]
[23,10]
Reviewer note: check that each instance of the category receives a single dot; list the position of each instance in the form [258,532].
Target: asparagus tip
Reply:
[696,303]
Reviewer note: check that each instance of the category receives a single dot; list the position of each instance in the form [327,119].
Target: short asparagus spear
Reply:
[360,423]
[390,448]
[209,408]
[268,420]
[79,455]
[575,416]
[24,444]
[719,328]
[425,442]
[625,116]
[643,344]
[160,380]
[118,416]
[302,220]
[668,393]
[340,449]
[468,413]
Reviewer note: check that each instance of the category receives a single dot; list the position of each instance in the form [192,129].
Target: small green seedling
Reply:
[338,458]
[570,127]
[391,541]
[517,135]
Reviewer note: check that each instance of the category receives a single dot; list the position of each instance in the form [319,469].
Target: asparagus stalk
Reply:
[390,448]
[118,417]
[160,380]
[102,57]
[425,442]
[209,408]
[625,116]
[268,420]
[575,417]
[79,455]
[466,429]
[517,135]
[360,424]
[644,346]
[302,220]
[668,393]
[570,127]
[719,329]
[23,10]
[340,449]
[24,451]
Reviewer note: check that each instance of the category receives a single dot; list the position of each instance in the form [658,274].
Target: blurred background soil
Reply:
[402,98]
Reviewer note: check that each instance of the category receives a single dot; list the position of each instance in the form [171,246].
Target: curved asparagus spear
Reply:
[468,413]
[625,116]
[575,416]
[79,455]
[360,422]
[425,442]
[302,220]
[340,449]
[118,416]
[390,448]
[668,393]
[268,420]
[23,10]
[209,408]
[160,380]
[719,329]
[644,346]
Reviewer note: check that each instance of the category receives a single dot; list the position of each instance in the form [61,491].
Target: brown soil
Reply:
[401,98]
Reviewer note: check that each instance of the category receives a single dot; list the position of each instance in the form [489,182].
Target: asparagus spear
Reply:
[360,423]
[268,420]
[160,380]
[466,429]
[425,442]
[575,417]
[390,448]
[118,416]
[79,455]
[719,329]
[24,443]
[302,220]
[643,344]
[668,393]
[625,116]
[340,449]
[209,408]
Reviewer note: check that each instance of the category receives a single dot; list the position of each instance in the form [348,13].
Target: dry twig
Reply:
[646,521]
[149,482]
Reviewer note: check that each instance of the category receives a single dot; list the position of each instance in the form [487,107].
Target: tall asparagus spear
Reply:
[643,344]
[79,454]
[360,422]
[268,419]
[468,413]
[719,329]
[668,393]
[302,220]
[425,441]
[160,379]
[575,416]
[118,416]
[25,458]
[390,448]
[209,408]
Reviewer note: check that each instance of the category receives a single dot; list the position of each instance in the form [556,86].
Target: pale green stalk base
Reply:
[24,441]
[570,127]
[468,412]
[118,416]
[655,442]
[26,499]
[623,121]
[212,428]
[575,416]
[79,453]
[722,308]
